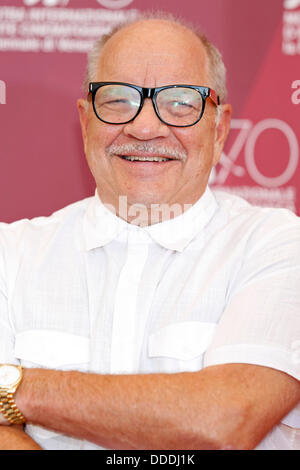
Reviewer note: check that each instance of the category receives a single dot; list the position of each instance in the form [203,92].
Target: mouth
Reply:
[145,156]
[146,159]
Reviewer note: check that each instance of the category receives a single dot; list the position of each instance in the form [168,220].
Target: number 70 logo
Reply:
[246,138]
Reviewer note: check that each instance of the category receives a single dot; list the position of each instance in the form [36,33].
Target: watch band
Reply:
[9,409]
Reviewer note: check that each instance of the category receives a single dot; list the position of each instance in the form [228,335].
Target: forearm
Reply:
[218,407]
[157,411]
[14,438]
[123,412]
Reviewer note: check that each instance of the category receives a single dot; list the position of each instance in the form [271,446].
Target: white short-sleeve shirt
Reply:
[82,289]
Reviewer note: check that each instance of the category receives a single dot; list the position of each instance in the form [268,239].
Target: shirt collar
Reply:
[101,225]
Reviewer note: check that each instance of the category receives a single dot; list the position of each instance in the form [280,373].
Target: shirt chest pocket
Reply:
[52,349]
[180,346]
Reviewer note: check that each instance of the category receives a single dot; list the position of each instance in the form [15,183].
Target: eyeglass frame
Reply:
[205,92]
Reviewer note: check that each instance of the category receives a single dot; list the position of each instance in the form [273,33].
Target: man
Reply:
[137,326]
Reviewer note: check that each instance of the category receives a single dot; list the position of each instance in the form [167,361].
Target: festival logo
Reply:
[291,27]
[242,168]
[246,139]
[51,26]
[291,4]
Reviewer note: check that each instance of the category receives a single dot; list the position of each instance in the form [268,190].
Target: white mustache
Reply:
[145,148]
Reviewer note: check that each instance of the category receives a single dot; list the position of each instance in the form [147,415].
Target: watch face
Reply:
[8,375]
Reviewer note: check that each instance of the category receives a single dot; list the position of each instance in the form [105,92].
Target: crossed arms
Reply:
[220,407]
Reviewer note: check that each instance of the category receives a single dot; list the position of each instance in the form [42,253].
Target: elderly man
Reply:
[157,314]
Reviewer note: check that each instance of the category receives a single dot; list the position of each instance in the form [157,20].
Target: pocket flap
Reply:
[51,348]
[185,340]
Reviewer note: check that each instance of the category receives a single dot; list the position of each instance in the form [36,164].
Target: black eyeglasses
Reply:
[175,105]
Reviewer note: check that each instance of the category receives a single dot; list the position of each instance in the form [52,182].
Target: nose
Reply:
[146,125]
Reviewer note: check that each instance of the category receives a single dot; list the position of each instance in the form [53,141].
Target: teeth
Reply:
[145,159]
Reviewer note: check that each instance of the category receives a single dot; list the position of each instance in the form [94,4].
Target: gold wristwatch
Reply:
[10,379]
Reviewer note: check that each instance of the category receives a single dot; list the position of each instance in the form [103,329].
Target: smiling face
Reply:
[153,53]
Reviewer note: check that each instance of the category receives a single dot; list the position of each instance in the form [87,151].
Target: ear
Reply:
[82,106]
[222,131]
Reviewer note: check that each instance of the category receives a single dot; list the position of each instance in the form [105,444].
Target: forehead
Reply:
[154,53]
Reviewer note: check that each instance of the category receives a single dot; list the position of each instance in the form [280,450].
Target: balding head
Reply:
[215,67]
[158,47]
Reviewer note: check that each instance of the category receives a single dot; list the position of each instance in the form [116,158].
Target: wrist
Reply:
[10,380]
[21,394]
[30,396]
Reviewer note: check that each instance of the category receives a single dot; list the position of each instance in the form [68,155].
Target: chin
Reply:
[151,193]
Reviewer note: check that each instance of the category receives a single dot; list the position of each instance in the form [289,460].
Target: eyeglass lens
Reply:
[118,104]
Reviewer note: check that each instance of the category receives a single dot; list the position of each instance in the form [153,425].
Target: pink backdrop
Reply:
[42,62]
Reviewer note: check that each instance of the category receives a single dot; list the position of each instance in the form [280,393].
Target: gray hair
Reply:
[216,67]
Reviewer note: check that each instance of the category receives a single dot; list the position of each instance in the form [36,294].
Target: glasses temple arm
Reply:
[213,95]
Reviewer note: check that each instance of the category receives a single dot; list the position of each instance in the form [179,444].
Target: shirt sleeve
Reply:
[261,321]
